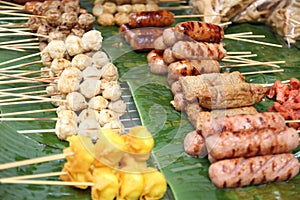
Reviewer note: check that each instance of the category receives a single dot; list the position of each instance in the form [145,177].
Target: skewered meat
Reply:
[126,8]
[56,35]
[156,63]
[43,29]
[92,40]
[69,19]
[69,80]
[160,18]
[118,107]
[46,58]
[74,45]
[97,9]
[110,72]
[53,17]
[231,96]
[121,18]
[100,59]
[86,21]
[98,103]
[151,7]
[204,116]
[191,84]
[176,88]
[88,113]
[247,144]
[252,171]
[194,144]
[198,31]
[81,61]
[66,124]
[59,65]
[106,19]
[198,50]
[109,7]
[179,102]
[244,123]
[168,56]
[191,68]
[159,44]
[138,8]
[107,116]
[72,6]
[112,91]
[169,37]
[90,88]
[76,101]
[56,49]
[89,128]
[116,126]
[34,23]
[76,30]
[91,73]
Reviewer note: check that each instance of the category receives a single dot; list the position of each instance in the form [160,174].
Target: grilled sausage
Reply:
[198,50]
[156,63]
[140,39]
[179,102]
[176,88]
[254,143]
[160,18]
[159,44]
[168,56]
[191,68]
[199,31]
[194,144]
[240,172]
[244,123]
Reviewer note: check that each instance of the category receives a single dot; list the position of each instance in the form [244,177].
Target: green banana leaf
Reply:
[187,177]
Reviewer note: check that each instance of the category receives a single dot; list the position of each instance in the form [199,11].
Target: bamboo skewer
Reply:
[31,92]
[21,14]
[13,18]
[263,72]
[24,102]
[32,176]
[40,182]
[27,112]
[22,88]
[34,160]
[32,97]
[239,52]
[36,131]
[254,64]
[19,41]
[27,119]
[18,59]
[22,32]
[11,4]
[20,65]
[26,78]
[252,41]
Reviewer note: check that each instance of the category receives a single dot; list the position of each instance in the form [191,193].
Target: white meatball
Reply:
[81,61]
[117,126]
[112,91]
[66,124]
[97,9]
[69,114]
[110,72]
[56,100]
[152,7]
[92,40]
[51,89]
[107,116]
[89,128]
[117,106]
[90,88]
[58,65]
[91,73]
[126,8]
[138,7]
[88,113]
[109,7]
[69,80]
[121,18]
[106,19]
[100,59]
[74,45]
[98,103]
[76,102]
[56,49]
[46,58]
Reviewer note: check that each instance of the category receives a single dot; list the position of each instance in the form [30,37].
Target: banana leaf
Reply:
[187,177]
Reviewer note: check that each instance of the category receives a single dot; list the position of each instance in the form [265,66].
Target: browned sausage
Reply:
[191,68]
[254,143]
[160,18]
[169,37]
[199,31]
[179,102]
[240,172]
[168,56]
[159,44]
[156,63]
[244,123]
[198,50]
[194,144]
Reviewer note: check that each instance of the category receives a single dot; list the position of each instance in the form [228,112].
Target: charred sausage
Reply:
[168,56]
[199,31]
[194,144]
[156,63]
[198,50]
[160,18]
[254,143]
[240,172]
